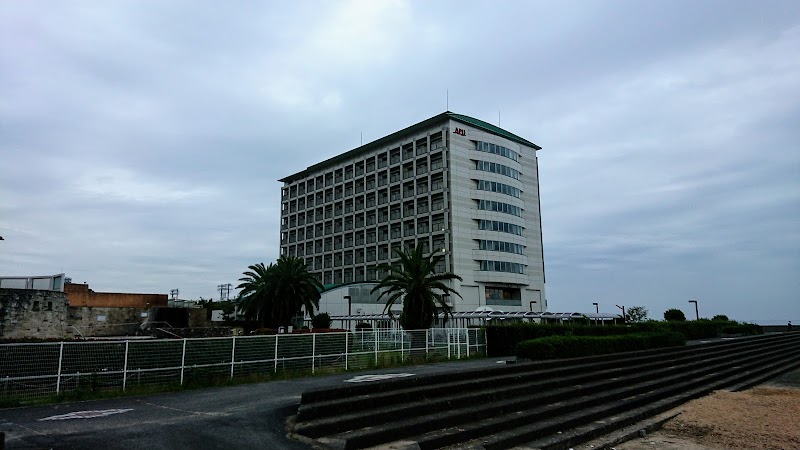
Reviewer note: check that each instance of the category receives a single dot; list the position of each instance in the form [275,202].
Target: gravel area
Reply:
[765,417]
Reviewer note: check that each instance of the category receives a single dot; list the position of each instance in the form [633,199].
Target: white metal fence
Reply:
[39,370]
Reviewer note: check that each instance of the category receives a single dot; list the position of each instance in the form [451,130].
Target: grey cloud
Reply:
[141,141]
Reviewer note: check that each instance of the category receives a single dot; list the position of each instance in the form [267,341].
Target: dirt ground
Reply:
[765,417]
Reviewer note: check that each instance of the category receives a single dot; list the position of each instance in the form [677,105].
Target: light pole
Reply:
[623,312]
[597,311]
[349,305]
[531,304]
[696,311]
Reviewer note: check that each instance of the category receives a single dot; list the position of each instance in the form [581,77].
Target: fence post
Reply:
[346,349]
[313,350]
[427,341]
[183,359]
[276,353]
[448,343]
[458,342]
[375,338]
[485,342]
[402,344]
[467,342]
[125,368]
[60,359]
[233,355]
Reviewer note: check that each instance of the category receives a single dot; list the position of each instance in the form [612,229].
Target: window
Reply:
[487,166]
[502,266]
[500,188]
[500,246]
[490,205]
[497,150]
[503,227]
[503,296]
[437,203]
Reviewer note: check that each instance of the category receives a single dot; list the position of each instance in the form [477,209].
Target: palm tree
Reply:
[416,283]
[274,294]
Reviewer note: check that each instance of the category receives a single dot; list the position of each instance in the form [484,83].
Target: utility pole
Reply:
[224,291]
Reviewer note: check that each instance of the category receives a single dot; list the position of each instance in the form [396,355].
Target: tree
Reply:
[720,318]
[322,320]
[675,315]
[273,295]
[415,282]
[636,314]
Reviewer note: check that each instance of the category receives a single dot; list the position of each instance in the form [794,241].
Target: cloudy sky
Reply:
[141,141]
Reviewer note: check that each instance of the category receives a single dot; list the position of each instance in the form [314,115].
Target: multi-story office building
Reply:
[453,184]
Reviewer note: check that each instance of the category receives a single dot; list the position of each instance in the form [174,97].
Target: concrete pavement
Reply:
[243,416]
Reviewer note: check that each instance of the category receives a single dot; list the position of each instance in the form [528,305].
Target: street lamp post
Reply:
[531,304]
[349,309]
[597,311]
[349,305]
[623,312]
[696,310]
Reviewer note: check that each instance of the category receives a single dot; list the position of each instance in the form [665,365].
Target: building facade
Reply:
[453,184]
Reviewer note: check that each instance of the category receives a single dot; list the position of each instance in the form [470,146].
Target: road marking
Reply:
[87,414]
[385,376]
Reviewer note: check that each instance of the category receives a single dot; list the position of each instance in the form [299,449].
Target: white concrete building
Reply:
[452,183]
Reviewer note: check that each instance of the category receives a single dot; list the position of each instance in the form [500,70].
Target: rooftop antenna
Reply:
[447,108]
[362,138]
[498,117]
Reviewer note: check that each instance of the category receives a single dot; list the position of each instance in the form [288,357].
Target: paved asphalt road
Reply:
[244,416]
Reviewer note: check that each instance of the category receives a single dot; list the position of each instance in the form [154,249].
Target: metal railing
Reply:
[40,370]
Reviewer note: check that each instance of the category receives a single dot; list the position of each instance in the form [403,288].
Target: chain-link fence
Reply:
[41,370]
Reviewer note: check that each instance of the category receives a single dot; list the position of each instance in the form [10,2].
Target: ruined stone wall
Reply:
[102,321]
[28,313]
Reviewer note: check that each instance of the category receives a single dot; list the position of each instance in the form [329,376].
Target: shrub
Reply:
[747,329]
[674,315]
[321,320]
[720,318]
[696,329]
[502,340]
[363,326]
[553,347]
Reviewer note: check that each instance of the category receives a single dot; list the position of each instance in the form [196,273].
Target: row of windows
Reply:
[500,246]
[502,266]
[491,205]
[497,150]
[493,225]
[500,188]
[358,256]
[487,166]
[380,161]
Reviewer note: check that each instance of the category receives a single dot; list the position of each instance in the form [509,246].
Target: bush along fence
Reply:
[553,347]
[31,371]
[503,339]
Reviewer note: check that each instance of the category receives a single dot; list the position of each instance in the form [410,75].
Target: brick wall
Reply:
[80,295]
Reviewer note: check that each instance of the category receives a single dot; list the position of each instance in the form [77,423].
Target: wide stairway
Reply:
[553,404]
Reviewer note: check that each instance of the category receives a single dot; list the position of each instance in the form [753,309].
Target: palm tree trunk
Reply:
[418,342]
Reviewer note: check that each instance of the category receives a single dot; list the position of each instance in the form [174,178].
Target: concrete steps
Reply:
[529,404]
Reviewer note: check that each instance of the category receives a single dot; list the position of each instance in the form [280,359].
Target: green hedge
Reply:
[502,340]
[553,347]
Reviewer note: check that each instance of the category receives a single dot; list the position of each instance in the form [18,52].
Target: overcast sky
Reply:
[141,142]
